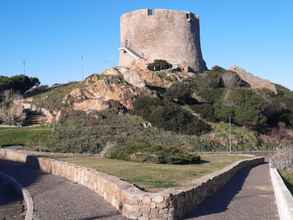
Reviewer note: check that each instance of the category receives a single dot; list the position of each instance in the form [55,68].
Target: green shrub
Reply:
[142,152]
[159,65]
[169,116]
[182,92]
[205,110]
[199,89]
[283,104]
[53,98]
[20,83]
[80,132]
[218,69]
[241,138]
[207,96]
[244,106]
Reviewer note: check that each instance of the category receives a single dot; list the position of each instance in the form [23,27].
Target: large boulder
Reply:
[254,81]
[231,80]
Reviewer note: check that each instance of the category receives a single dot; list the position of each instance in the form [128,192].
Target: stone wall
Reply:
[173,203]
[161,34]
[284,198]
[28,201]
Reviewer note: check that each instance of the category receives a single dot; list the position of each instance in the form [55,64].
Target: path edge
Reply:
[28,201]
[133,203]
[284,198]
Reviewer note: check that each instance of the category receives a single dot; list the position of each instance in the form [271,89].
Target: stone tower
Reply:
[150,34]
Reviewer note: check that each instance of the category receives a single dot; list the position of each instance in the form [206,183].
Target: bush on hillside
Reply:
[142,152]
[159,65]
[244,106]
[53,98]
[79,132]
[205,110]
[217,95]
[182,92]
[241,139]
[169,116]
[199,89]
[20,83]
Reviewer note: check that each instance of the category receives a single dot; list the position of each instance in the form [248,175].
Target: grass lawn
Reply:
[28,136]
[152,177]
[288,179]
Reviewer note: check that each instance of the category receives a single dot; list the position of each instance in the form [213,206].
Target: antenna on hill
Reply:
[24,66]
[82,66]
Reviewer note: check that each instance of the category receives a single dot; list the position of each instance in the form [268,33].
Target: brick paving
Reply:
[249,196]
[56,198]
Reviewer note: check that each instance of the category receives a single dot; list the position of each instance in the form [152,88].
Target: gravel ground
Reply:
[249,196]
[56,198]
[11,203]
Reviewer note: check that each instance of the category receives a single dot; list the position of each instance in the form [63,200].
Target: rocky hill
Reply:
[137,106]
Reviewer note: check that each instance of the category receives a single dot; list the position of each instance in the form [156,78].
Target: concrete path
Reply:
[11,206]
[249,196]
[56,198]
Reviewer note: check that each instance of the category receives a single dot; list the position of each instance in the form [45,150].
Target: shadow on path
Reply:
[220,201]
[55,197]
[11,200]
[23,173]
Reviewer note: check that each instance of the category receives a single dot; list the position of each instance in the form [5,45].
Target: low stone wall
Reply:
[173,203]
[28,201]
[284,198]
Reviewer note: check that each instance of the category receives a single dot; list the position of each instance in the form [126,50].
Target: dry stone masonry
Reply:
[150,34]
[170,204]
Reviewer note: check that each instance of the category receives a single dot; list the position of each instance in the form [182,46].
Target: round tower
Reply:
[150,34]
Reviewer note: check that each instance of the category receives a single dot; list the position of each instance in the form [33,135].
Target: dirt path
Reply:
[249,196]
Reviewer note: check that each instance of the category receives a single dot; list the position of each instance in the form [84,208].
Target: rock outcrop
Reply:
[98,90]
[117,88]
[254,81]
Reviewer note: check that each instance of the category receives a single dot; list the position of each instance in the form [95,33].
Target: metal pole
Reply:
[24,67]
[82,67]
[230,134]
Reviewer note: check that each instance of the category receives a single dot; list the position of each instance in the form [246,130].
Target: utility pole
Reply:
[230,134]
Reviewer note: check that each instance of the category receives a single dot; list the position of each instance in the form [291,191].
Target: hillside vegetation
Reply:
[18,83]
[146,117]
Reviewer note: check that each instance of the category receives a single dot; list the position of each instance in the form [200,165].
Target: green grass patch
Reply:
[27,136]
[288,179]
[153,177]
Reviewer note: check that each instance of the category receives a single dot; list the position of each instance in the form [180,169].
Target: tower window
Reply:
[188,16]
[150,12]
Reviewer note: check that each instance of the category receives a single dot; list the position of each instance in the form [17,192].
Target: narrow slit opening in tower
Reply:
[188,16]
[150,12]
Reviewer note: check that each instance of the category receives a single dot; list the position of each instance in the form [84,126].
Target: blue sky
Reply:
[52,35]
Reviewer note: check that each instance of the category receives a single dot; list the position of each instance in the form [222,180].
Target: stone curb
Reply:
[28,201]
[133,203]
[284,198]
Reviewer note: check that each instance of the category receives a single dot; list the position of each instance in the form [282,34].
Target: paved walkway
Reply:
[249,196]
[11,206]
[56,198]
